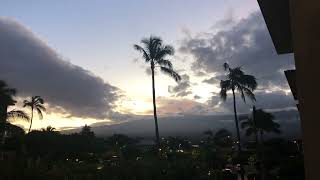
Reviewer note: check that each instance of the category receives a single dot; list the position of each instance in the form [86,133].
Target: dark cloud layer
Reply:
[245,43]
[169,106]
[212,80]
[31,66]
[276,100]
[183,87]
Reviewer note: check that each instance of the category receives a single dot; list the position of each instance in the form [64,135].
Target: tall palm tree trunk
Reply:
[31,120]
[258,143]
[255,126]
[263,170]
[236,120]
[155,107]
[3,123]
[238,132]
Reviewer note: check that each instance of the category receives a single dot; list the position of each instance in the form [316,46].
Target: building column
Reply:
[305,21]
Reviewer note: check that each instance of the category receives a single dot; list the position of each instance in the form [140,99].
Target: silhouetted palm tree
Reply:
[13,114]
[245,84]
[155,53]
[36,103]
[6,99]
[48,129]
[86,131]
[259,123]
[222,137]
[218,149]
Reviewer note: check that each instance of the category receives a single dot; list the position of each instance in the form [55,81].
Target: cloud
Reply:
[276,100]
[212,80]
[169,106]
[183,87]
[200,73]
[246,43]
[196,97]
[30,65]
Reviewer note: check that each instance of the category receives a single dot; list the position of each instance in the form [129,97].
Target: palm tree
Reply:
[13,114]
[86,131]
[261,122]
[36,103]
[155,53]
[245,84]
[218,149]
[6,99]
[48,129]
[258,124]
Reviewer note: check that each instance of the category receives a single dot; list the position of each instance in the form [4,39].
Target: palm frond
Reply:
[48,129]
[166,63]
[41,107]
[39,113]
[225,86]
[27,103]
[171,73]
[144,53]
[242,94]
[249,81]
[238,71]
[243,83]
[250,94]
[152,43]
[226,66]
[223,94]
[38,99]
[264,121]
[164,51]
[18,114]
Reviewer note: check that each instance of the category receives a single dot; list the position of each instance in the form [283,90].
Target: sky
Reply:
[78,55]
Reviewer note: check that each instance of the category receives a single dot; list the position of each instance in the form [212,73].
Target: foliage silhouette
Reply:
[258,124]
[48,129]
[218,150]
[86,131]
[6,100]
[237,80]
[156,53]
[262,122]
[35,103]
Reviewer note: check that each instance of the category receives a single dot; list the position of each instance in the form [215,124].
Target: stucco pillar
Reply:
[305,21]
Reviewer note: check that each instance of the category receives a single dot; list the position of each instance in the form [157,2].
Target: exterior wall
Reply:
[305,21]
